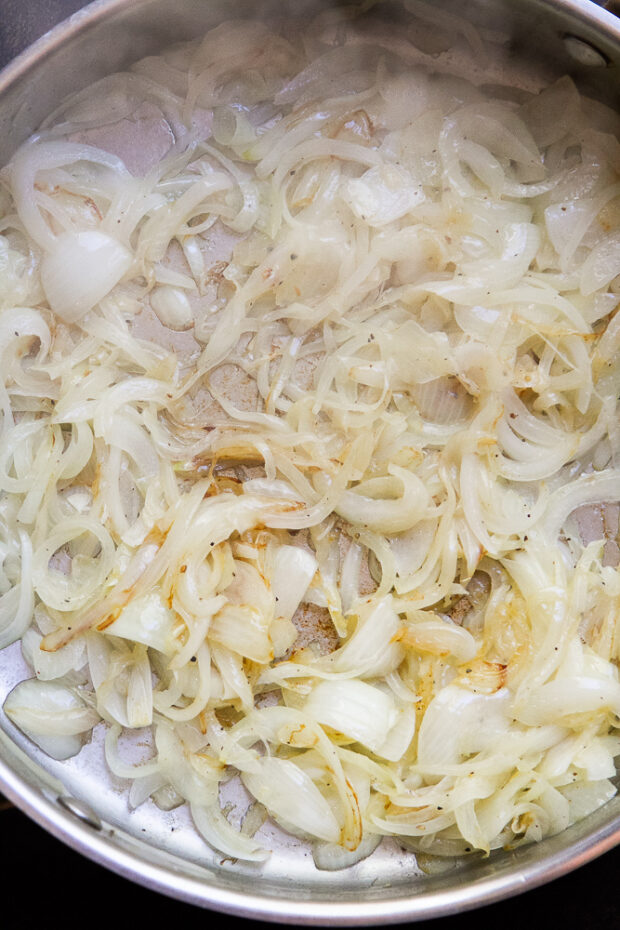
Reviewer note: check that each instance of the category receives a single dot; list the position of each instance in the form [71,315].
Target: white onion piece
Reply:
[398,738]
[458,722]
[17,604]
[583,799]
[140,693]
[540,111]
[390,514]
[243,629]
[80,270]
[568,696]
[172,307]
[354,708]
[602,265]
[587,489]
[372,649]
[441,638]
[597,759]
[292,574]
[51,665]
[329,857]
[52,715]
[144,772]
[442,400]
[293,798]
[382,195]
[147,620]
[65,588]
[212,824]
[45,156]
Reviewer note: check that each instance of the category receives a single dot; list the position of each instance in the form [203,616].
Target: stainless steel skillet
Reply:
[77,801]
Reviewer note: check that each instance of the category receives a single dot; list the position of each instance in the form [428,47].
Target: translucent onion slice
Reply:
[355,708]
[292,798]
[80,270]
[458,723]
[52,715]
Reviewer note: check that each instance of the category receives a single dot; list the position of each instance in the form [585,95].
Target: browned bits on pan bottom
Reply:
[315,628]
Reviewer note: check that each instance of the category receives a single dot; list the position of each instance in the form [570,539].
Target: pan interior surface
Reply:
[83,806]
[78,800]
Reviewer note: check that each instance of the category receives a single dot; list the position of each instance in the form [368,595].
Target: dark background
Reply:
[45,883]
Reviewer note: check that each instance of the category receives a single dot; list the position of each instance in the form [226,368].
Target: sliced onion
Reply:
[292,574]
[354,708]
[458,723]
[351,340]
[80,270]
[329,857]
[212,824]
[52,715]
[292,797]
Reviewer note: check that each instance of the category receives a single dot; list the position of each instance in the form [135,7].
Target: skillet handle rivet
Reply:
[584,53]
[80,810]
